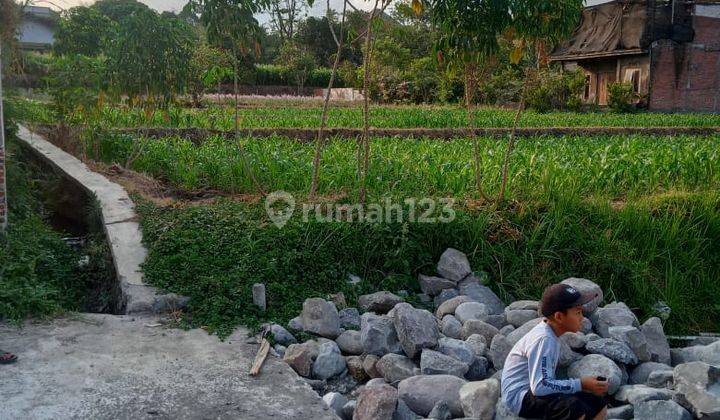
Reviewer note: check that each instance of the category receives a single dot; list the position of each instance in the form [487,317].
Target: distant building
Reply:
[37,28]
[669,50]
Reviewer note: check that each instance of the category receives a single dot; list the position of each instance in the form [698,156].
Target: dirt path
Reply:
[117,367]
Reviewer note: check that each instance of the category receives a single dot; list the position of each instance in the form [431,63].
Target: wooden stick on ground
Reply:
[260,357]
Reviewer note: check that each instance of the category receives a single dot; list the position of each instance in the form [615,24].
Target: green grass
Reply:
[39,273]
[666,248]
[446,116]
[543,168]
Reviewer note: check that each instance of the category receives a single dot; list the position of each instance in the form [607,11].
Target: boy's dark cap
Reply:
[560,297]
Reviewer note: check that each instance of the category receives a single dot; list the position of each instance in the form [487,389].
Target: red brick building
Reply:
[669,50]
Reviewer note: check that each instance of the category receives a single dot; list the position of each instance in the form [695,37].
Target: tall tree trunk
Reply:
[511,141]
[241,148]
[470,89]
[320,139]
[364,146]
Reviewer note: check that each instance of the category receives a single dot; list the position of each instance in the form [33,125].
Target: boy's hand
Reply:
[591,384]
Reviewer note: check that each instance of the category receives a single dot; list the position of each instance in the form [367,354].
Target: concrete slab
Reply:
[118,212]
[95,366]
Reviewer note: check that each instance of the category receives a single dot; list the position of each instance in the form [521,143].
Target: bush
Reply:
[279,75]
[555,91]
[74,82]
[621,97]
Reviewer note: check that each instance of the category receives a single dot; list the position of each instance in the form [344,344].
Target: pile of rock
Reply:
[447,364]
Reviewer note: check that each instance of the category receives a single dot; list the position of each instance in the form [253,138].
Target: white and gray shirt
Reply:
[530,366]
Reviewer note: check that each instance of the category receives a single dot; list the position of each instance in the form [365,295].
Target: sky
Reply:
[318,8]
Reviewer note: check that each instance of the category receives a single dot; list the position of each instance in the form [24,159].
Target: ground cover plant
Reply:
[637,214]
[267,115]
[40,274]
[662,248]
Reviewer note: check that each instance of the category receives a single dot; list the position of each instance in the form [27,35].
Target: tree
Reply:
[209,67]
[150,55]
[299,62]
[231,23]
[316,34]
[82,30]
[536,22]
[285,16]
[468,38]
[117,10]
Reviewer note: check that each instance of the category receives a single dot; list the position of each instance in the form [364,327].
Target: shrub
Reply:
[74,83]
[555,91]
[621,97]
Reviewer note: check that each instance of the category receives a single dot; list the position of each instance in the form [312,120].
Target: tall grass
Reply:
[543,168]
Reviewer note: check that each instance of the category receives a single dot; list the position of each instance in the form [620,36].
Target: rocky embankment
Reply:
[396,361]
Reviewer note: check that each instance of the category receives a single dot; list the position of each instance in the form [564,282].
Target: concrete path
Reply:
[93,366]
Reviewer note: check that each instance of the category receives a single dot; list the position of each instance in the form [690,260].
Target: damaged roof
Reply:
[605,30]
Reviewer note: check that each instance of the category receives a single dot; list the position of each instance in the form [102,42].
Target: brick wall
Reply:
[686,77]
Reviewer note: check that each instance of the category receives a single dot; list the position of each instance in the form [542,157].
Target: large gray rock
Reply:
[281,335]
[349,318]
[499,349]
[421,393]
[502,412]
[301,356]
[661,379]
[335,401]
[496,320]
[329,361]
[615,314]
[378,335]
[403,412]
[698,384]
[476,326]
[640,374]
[478,344]
[295,324]
[379,302]
[635,394]
[445,295]
[658,345]
[597,365]
[448,307]
[588,290]
[471,310]
[435,363]
[441,411]
[518,317]
[520,332]
[458,349]
[479,399]
[320,317]
[634,339]
[507,329]
[355,368]
[350,342]
[615,350]
[376,403]
[709,354]
[416,329]
[567,355]
[523,305]
[453,265]
[484,295]
[369,364]
[451,327]
[395,367]
[575,340]
[478,369]
[661,409]
[623,412]
[434,285]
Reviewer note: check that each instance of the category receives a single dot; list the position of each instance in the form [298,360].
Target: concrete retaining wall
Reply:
[118,217]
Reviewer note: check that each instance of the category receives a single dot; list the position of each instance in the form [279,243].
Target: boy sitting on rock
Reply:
[529,387]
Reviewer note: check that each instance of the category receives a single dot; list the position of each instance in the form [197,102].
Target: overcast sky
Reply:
[176,5]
